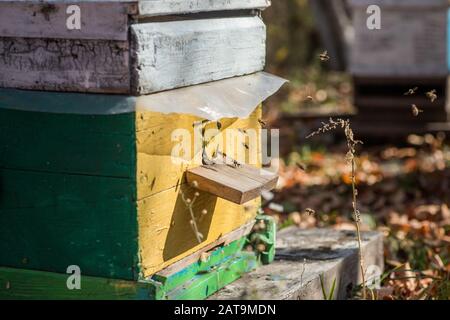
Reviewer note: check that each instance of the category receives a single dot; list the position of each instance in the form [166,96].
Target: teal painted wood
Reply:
[203,285]
[226,265]
[67,103]
[50,221]
[217,257]
[68,143]
[18,284]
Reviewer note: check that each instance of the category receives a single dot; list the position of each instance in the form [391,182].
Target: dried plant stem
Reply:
[351,144]
[357,218]
[189,204]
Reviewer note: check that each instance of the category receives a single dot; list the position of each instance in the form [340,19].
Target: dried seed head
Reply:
[196,194]
[195,184]
[204,212]
[188,200]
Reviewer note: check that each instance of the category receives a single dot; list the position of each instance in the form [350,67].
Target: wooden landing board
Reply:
[302,256]
[237,184]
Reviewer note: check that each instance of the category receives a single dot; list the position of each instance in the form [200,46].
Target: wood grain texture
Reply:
[98,145]
[167,7]
[166,235]
[302,257]
[50,221]
[156,169]
[64,65]
[238,184]
[40,285]
[196,256]
[100,20]
[174,54]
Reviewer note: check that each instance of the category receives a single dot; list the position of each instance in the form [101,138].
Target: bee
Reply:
[415,110]
[245,145]
[411,92]
[432,95]
[219,125]
[262,123]
[310,212]
[324,56]
[236,164]
[301,166]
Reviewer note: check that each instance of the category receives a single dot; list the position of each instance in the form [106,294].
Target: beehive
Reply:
[128,47]
[410,43]
[102,191]
[91,179]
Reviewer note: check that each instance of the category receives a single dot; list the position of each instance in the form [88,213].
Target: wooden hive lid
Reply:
[101,19]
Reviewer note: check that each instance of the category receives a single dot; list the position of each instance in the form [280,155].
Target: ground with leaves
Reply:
[402,191]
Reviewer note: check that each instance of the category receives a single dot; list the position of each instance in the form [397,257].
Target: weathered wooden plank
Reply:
[238,184]
[19,284]
[302,257]
[102,145]
[65,65]
[167,7]
[165,232]
[174,54]
[100,20]
[51,221]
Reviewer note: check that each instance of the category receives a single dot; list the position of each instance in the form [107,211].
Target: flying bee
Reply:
[245,145]
[310,212]
[432,95]
[262,123]
[411,92]
[219,125]
[301,166]
[415,110]
[324,56]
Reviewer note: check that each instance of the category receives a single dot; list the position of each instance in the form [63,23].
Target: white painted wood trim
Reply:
[168,55]
[100,20]
[167,7]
